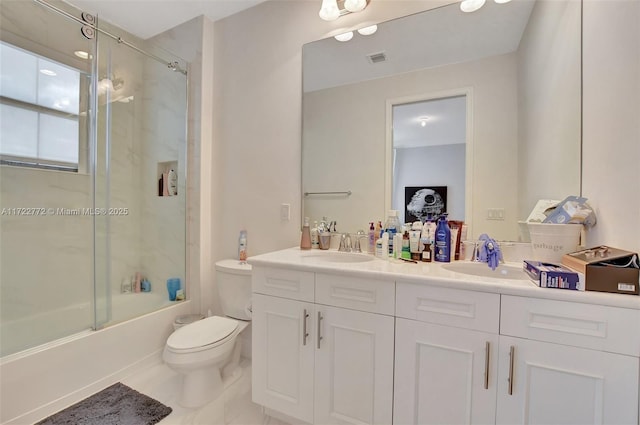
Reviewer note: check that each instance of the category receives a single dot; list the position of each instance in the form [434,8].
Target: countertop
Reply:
[434,274]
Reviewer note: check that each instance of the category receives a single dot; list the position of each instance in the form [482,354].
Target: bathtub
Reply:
[42,380]
[31,331]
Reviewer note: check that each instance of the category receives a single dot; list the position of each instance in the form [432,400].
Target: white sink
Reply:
[338,257]
[503,271]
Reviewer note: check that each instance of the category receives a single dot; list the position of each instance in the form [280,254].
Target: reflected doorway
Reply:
[428,158]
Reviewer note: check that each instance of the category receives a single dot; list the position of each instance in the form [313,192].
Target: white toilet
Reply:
[207,352]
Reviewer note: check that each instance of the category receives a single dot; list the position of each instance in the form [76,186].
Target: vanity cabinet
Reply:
[563,362]
[557,384]
[446,355]
[283,359]
[329,361]
[344,349]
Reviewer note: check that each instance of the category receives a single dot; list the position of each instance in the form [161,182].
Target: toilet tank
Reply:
[234,287]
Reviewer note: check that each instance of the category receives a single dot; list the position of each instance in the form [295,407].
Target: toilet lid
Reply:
[201,333]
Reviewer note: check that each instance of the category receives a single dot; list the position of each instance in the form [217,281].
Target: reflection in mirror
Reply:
[428,158]
[518,63]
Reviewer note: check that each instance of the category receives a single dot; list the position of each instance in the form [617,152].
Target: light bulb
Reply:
[329,10]
[471,5]
[368,30]
[344,37]
[355,5]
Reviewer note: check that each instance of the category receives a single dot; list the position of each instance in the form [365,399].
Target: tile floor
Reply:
[233,407]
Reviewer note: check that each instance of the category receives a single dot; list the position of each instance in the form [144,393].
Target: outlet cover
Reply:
[285,212]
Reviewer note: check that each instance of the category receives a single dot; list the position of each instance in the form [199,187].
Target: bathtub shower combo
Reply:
[92,174]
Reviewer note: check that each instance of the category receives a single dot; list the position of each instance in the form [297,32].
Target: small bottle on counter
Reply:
[305,239]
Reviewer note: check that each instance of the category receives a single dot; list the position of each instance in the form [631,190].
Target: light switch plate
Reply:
[495,214]
[285,212]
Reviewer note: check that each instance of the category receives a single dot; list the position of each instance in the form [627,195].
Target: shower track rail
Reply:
[174,66]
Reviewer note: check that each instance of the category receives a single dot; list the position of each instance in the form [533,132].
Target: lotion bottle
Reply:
[305,240]
[372,239]
[443,241]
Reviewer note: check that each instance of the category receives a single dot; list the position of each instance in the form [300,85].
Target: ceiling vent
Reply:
[377,57]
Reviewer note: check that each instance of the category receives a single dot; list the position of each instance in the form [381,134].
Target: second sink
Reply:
[503,271]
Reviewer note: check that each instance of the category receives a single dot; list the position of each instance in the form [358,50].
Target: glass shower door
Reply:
[46,240]
[140,241]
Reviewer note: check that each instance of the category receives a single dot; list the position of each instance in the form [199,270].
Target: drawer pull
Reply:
[487,352]
[319,328]
[305,334]
[512,354]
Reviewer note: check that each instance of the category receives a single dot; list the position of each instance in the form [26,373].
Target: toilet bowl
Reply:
[206,353]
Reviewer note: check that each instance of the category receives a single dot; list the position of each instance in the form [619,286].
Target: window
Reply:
[39,111]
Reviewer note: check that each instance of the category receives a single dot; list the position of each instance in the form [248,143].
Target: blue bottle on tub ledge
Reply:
[173,285]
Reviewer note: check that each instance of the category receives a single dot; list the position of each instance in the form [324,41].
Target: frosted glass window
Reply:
[18,74]
[40,104]
[18,131]
[58,139]
[60,91]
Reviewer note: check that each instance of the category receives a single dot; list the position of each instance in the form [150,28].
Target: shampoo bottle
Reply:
[173,183]
[443,241]
[305,240]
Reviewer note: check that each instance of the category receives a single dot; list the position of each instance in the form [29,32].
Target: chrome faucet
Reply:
[359,235]
[345,243]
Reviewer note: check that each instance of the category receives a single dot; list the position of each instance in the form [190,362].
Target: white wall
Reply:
[611,121]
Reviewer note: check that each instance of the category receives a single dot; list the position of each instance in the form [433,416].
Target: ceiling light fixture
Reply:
[344,37]
[355,5]
[333,9]
[371,29]
[471,5]
[81,54]
[423,121]
[329,10]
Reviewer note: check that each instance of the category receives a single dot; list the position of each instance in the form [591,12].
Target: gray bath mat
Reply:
[115,405]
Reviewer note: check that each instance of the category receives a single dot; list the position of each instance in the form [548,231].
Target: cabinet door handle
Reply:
[319,328]
[305,334]
[487,353]
[512,354]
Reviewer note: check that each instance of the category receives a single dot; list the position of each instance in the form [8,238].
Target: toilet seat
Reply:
[202,335]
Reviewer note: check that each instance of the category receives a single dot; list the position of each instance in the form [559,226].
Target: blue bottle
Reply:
[443,240]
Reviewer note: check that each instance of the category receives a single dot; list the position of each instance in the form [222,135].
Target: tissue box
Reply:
[606,269]
[547,275]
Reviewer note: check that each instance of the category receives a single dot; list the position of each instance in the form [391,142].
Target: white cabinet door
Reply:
[444,375]
[354,367]
[558,384]
[282,370]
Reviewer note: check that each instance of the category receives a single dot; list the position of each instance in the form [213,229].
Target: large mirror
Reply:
[512,69]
